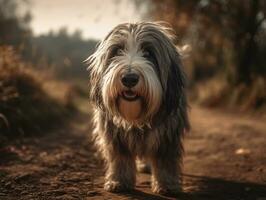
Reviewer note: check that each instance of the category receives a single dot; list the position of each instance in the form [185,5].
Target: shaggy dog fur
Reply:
[137,87]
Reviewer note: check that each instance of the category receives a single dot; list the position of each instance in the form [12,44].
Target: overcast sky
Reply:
[94,17]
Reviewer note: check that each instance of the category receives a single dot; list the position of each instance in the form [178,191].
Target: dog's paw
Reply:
[116,186]
[167,190]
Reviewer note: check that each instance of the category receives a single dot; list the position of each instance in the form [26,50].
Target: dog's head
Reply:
[135,73]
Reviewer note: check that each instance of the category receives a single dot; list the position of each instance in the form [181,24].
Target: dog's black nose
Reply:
[130,79]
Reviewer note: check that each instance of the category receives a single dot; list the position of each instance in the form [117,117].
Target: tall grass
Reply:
[218,92]
[28,104]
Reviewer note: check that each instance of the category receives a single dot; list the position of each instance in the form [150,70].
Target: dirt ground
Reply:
[225,159]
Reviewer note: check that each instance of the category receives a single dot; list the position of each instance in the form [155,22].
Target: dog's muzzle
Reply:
[129,80]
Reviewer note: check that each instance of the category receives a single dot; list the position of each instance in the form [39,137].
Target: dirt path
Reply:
[225,159]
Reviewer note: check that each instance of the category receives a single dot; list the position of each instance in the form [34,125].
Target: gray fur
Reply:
[159,141]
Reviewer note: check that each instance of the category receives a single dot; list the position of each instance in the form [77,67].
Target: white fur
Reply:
[148,87]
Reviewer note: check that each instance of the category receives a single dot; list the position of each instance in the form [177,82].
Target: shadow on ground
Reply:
[200,188]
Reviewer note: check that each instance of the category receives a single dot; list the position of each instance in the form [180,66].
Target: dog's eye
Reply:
[150,56]
[146,54]
[117,51]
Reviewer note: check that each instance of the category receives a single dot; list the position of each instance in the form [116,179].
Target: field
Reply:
[225,159]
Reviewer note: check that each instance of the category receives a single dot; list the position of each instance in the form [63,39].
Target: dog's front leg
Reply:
[166,174]
[121,172]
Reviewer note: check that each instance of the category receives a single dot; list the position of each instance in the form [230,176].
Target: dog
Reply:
[137,89]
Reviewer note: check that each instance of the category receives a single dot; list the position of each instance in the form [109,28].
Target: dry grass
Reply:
[217,92]
[30,101]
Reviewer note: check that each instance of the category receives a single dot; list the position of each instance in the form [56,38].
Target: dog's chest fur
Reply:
[137,141]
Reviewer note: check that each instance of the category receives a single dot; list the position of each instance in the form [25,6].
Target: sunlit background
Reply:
[93,18]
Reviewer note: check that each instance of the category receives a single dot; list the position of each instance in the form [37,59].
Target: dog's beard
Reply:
[135,106]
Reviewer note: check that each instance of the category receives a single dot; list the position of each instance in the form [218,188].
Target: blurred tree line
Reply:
[14,25]
[228,35]
[228,38]
[61,51]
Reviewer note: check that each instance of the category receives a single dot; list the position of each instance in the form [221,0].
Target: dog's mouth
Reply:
[130,95]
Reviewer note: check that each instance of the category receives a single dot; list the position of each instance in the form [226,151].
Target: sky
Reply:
[95,18]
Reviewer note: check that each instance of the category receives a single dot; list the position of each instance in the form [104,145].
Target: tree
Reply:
[226,35]
[14,28]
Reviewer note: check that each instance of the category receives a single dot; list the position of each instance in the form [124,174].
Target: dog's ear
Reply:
[95,62]
[96,67]
[175,82]
[94,80]
[171,74]
[175,97]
